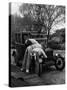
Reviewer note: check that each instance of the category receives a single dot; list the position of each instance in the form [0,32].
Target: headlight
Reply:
[40,60]
[56,54]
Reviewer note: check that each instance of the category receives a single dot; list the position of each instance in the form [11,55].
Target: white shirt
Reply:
[40,51]
[33,41]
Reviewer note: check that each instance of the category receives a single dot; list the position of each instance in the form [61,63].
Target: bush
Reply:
[53,45]
[62,46]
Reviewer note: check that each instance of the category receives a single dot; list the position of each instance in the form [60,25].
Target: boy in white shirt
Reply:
[32,46]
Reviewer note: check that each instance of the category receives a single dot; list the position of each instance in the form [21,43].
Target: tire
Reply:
[59,63]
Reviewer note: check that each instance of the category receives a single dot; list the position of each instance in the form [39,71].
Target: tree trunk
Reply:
[48,35]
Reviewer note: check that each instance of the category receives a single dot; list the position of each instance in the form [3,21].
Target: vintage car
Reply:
[20,47]
[20,38]
[52,60]
[39,65]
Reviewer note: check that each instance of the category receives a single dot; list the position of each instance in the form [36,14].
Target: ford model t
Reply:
[38,65]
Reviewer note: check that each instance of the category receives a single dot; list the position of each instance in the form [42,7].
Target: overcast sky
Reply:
[15,8]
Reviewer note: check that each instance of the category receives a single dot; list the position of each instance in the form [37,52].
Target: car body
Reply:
[52,60]
[36,67]
[20,43]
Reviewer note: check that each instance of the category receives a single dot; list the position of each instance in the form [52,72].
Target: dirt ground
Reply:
[50,77]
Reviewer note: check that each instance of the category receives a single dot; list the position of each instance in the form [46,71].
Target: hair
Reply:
[28,43]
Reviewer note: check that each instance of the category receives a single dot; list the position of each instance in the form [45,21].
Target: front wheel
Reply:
[60,63]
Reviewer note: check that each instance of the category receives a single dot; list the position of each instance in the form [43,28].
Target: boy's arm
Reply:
[44,54]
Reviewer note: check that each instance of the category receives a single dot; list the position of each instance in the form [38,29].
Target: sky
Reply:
[15,10]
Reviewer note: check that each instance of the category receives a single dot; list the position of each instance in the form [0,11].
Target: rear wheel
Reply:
[60,63]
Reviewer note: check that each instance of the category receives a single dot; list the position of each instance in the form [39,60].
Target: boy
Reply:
[32,45]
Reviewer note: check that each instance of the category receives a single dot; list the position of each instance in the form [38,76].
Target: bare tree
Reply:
[44,15]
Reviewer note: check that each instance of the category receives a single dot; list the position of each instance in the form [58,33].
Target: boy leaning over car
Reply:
[34,46]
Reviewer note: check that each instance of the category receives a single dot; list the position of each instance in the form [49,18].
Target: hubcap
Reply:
[59,62]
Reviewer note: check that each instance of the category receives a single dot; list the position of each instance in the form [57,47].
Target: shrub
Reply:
[53,45]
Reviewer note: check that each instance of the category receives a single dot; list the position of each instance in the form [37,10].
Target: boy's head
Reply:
[28,43]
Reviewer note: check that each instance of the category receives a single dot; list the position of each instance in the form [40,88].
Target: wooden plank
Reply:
[34,34]
[40,38]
